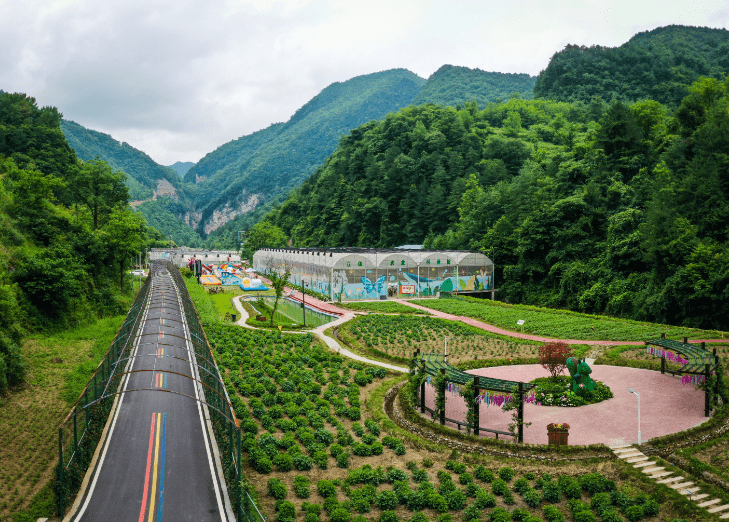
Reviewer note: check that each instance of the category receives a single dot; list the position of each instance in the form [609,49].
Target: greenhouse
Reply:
[361,273]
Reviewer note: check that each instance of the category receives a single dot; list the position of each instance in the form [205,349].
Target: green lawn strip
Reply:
[266,311]
[385,307]
[561,324]
[697,465]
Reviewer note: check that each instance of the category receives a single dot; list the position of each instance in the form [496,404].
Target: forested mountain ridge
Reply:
[66,232]
[453,85]
[658,65]
[262,168]
[601,208]
[181,167]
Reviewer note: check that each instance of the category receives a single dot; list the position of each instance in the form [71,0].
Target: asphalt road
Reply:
[157,462]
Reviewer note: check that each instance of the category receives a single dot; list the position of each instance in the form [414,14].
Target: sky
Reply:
[177,79]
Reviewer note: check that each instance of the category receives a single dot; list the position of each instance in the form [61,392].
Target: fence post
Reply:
[663,365]
[442,392]
[707,390]
[716,383]
[520,409]
[86,407]
[75,434]
[475,405]
[61,507]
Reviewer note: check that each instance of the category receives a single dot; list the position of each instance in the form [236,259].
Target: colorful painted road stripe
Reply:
[160,380]
[155,466]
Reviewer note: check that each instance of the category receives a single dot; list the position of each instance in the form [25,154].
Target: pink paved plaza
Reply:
[666,406]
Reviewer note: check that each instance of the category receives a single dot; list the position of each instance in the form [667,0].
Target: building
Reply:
[181,256]
[363,273]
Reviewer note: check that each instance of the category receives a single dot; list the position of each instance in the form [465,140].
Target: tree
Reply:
[101,189]
[278,280]
[553,357]
[264,235]
[124,233]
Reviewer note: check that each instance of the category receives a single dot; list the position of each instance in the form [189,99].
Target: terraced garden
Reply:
[561,324]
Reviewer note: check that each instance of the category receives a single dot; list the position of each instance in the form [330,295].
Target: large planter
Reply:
[557,437]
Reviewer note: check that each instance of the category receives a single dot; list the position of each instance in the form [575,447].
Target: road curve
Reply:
[159,460]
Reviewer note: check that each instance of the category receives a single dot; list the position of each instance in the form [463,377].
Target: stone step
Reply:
[630,455]
[681,485]
[725,515]
[689,491]
[717,509]
[644,464]
[661,474]
[667,481]
[621,447]
[710,502]
[699,497]
[636,459]
[648,471]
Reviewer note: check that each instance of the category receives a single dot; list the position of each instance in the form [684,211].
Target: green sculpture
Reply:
[580,372]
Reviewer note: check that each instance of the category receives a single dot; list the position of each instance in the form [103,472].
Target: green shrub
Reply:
[620,500]
[303,463]
[415,500]
[373,427]
[521,485]
[551,492]
[340,514]
[532,498]
[472,489]
[552,514]
[301,486]
[519,514]
[343,460]
[651,508]
[483,474]
[575,506]
[386,500]
[395,474]
[570,487]
[509,499]
[465,478]
[418,517]
[276,488]
[456,500]
[600,502]
[506,474]
[436,502]
[420,475]
[592,483]
[321,459]
[283,462]
[286,512]
[499,487]
[377,448]
[499,515]
[326,488]
[400,450]
[585,516]
[610,515]
[388,516]
[634,513]
[485,500]
[529,475]
[335,449]
[445,517]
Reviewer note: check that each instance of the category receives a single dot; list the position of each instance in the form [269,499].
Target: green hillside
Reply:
[657,65]
[617,209]
[452,85]
[181,167]
[266,165]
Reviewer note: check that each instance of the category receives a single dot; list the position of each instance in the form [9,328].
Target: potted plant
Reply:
[557,433]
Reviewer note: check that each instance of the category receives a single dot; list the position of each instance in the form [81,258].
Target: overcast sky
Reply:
[179,78]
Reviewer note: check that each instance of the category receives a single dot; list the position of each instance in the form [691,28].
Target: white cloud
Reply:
[179,78]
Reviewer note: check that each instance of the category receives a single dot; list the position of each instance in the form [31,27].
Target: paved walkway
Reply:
[666,407]
[319,332]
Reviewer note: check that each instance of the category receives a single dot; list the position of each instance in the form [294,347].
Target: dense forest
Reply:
[657,65]
[66,232]
[604,208]
[452,85]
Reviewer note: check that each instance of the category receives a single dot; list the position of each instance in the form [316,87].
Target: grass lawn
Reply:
[562,324]
[385,307]
[58,368]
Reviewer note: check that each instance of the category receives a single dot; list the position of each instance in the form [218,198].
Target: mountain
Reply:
[263,167]
[658,65]
[181,167]
[452,85]
[149,183]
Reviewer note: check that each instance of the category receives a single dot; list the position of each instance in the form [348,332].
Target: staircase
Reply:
[632,455]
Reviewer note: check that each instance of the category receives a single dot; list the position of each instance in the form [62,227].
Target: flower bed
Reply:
[557,393]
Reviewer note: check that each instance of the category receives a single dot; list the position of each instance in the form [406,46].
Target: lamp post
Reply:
[445,352]
[637,395]
[303,305]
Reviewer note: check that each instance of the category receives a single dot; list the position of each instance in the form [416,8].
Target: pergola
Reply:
[436,363]
[700,362]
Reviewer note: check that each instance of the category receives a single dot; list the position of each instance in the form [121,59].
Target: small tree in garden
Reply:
[553,357]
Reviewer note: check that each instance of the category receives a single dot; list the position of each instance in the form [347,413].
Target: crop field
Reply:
[384,307]
[58,368]
[562,324]
[398,336]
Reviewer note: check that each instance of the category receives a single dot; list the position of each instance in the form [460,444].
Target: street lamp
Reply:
[445,353]
[637,395]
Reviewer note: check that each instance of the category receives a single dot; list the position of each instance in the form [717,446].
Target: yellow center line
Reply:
[153,491]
